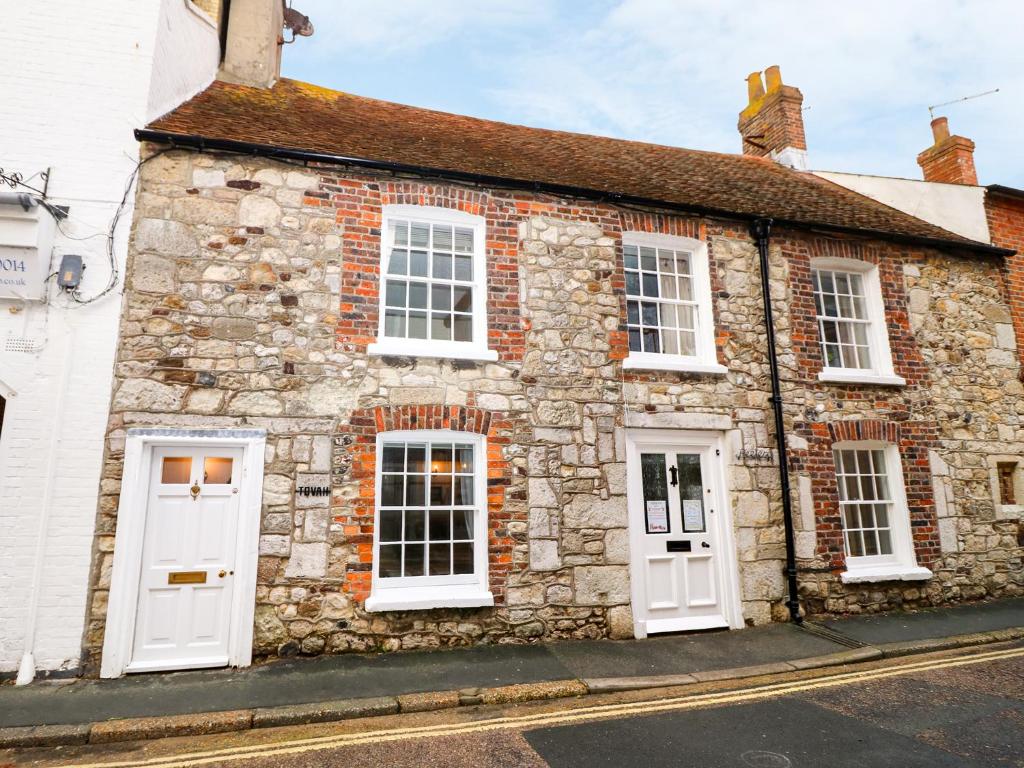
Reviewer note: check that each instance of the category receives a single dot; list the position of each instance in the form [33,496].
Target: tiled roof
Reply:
[298,116]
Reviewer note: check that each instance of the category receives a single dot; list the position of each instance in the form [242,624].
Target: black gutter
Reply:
[999,189]
[760,230]
[201,143]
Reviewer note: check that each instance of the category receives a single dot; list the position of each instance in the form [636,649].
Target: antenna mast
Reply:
[933,107]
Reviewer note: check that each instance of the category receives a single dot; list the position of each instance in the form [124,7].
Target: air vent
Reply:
[22,344]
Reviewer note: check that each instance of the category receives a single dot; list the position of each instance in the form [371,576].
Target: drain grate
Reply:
[830,634]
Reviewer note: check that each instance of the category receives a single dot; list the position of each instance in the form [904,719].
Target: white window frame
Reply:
[901,565]
[706,359]
[882,371]
[399,593]
[433,348]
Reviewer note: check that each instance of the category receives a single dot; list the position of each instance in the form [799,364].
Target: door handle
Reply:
[705,545]
[223,573]
[673,481]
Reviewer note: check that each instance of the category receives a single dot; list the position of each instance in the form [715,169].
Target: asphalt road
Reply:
[962,709]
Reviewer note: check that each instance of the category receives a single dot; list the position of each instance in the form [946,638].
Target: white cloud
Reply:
[673,72]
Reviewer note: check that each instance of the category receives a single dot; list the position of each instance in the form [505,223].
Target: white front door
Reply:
[682,556]
[188,559]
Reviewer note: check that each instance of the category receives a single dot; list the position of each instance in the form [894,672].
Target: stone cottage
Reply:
[390,378]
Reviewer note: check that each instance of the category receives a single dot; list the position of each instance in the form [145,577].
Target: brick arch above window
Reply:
[864,429]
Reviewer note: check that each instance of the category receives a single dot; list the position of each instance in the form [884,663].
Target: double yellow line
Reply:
[548,719]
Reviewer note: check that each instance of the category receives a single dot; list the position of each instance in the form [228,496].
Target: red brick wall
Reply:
[357,515]
[913,438]
[1006,227]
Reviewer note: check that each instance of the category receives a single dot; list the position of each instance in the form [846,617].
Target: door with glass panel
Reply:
[674,516]
[188,559]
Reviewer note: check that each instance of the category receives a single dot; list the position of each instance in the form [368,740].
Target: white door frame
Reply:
[724,540]
[123,601]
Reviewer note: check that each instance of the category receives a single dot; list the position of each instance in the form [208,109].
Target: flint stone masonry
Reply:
[260,313]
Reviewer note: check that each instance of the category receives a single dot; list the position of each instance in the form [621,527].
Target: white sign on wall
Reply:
[26,240]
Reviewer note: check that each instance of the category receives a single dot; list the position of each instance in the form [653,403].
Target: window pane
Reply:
[415,526]
[634,341]
[443,237]
[440,525]
[462,491]
[440,559]
[668,286]
[650,284]
[463,458]
[884,542]
[630,257]
[462,328]
[413,559]
[687,343]
[463,299]
[670,342]
[391,525]
[651,341]
[441,459]
[415,490]
[632,284]
[398,264]
[418,263]
[441,297]
[394,293]
[393,458]
[440,490]
[462,524]
[684,264]
[217,470]
[462,558]
[648,259]
[633,312]
[394,323]
[649,313]
[687,316]
[441,326]
[686,288]
[176,469]
[391,490]
[442,266]
[463,240]
[418,295]
[400,232]
[389,561]
[420,235]
[463,268]
[417,457]
[417,325]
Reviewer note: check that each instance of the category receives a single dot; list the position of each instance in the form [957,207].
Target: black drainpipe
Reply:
[760,230]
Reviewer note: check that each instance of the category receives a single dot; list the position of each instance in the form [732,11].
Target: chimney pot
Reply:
[773,78]
[252,54]
[940,129]
[755,88]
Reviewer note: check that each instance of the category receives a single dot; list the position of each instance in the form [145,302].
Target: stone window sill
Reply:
[834,376]
[423,598]
[432,349]
[655,362]
[885,573]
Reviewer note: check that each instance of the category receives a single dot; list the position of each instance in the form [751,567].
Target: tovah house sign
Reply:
[26,240]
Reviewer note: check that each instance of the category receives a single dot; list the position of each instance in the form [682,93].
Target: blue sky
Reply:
[673,71]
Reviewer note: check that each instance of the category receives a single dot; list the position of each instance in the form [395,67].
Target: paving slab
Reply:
[294,681]
[686,654]
[907,626]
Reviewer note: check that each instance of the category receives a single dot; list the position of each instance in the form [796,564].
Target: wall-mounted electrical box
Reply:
[26,241]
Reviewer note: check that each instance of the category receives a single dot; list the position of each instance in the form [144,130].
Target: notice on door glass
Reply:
[657,516]
[693,515]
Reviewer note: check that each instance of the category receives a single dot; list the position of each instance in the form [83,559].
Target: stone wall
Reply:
[252,296]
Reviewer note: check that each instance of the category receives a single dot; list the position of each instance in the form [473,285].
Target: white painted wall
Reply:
[957,208]
[87,74]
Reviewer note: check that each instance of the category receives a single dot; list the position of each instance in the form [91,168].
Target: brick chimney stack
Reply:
[950,159]
[772,125]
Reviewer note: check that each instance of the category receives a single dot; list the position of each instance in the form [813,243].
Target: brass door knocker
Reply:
[194,490]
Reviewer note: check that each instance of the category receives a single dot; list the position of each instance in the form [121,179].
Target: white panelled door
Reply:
[188,559]
[681,556]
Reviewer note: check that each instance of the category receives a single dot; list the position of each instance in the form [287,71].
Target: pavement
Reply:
[338,687]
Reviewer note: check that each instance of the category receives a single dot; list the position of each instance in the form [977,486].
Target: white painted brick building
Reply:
[79,78]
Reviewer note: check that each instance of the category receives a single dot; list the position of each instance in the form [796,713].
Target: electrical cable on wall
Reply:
[114,271]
